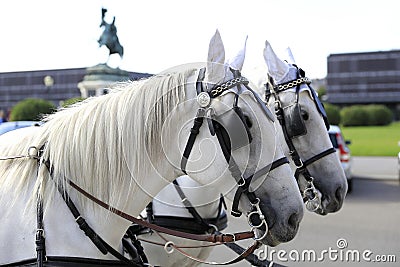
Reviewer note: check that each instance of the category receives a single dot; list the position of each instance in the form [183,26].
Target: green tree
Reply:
[333,113]
[321,91]
[71,101]
[31,109]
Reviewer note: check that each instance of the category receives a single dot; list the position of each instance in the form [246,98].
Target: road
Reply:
[368,225]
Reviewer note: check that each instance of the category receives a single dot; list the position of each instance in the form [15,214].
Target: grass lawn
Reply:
[373,140]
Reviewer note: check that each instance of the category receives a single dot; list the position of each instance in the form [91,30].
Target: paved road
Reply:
[375,167]
[369,223]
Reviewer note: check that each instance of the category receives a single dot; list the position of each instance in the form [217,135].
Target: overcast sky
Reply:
[158,34]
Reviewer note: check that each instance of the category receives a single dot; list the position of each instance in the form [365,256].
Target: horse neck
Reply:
[107,225]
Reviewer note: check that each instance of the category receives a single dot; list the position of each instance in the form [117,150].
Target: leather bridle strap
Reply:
[301,165]
[303,169]
[194,131]
[189,206]
[39,237]
[244,188]
[213,238]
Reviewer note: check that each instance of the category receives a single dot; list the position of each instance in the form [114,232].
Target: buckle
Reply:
[232,235]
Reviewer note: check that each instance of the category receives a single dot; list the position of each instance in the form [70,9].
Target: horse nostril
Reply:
[293,220]
[339,194]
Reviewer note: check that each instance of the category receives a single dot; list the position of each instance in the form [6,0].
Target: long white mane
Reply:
[103,144]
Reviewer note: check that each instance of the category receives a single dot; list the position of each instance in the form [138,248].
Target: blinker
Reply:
[235,127]
[294,122]
[320,107]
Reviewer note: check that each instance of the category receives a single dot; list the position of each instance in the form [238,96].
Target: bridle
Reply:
[217,127]
[292,124]
[255,218]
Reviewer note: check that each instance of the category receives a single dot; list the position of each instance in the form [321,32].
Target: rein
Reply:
[214,238]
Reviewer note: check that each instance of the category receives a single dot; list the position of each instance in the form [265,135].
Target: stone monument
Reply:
[101,76]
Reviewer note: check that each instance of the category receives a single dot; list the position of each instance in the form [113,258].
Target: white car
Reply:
[342,151]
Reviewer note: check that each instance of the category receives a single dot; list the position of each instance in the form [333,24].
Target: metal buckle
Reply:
[233,237]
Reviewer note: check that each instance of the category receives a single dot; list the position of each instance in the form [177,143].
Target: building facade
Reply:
[52,85]
[365,78]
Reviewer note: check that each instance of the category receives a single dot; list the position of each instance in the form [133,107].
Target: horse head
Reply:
[240,134]
[304,126]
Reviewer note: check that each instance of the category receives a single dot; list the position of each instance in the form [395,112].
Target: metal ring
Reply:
[263,236]
[243,183]
[257,202]
[261,217]
[32,152]
[169,247]
[310,205]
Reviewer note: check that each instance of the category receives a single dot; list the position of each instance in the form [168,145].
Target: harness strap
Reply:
[303,169]
[188,205]
[169,247]
[136,243]
[198,121]
[251,258]
[241,257]
[213,238]
[194,131]
[39,237]
[101,245]
[244,188]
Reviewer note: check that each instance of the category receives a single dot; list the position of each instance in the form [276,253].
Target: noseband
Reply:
[293,126]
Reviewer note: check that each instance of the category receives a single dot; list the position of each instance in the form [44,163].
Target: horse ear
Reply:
[237,61]
[276,67]
[216,59]
[290,56]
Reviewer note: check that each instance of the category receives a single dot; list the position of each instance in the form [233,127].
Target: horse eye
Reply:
[248,121]
[304,114]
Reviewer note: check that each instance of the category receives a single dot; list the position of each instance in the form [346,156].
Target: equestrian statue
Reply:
[109,36]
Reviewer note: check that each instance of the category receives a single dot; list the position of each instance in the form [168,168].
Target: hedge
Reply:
[364,115]
[31,109]
[333,113]
[71,101]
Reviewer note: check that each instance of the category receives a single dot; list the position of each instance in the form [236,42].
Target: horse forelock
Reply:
[106,144]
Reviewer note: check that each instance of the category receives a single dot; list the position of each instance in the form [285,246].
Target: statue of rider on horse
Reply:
[109,36]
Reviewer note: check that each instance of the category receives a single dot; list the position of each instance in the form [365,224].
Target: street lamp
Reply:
[48,82]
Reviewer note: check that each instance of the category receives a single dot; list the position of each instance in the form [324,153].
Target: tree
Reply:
[333,113]
[31,109]
[72,101]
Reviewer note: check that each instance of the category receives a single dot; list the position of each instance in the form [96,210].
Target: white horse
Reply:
[304,126]
[127,146]
[328,176]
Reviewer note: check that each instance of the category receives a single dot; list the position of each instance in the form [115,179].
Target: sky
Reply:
[159,34]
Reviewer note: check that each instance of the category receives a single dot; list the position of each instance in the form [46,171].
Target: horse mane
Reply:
[104,144]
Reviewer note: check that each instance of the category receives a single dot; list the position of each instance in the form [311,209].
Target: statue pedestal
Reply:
[99,78]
